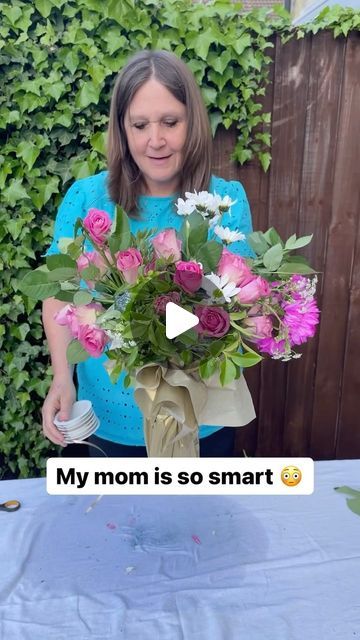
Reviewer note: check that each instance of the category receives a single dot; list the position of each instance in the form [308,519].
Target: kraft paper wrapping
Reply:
[174,402]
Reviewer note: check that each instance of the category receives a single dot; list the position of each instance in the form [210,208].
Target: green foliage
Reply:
[58,63]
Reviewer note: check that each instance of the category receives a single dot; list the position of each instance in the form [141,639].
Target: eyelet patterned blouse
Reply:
[120,417]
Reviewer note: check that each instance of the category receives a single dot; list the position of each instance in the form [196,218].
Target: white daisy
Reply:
[213,282]
[227,235]
[185,207]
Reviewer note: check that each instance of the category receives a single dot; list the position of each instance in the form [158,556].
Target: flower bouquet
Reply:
[117,284]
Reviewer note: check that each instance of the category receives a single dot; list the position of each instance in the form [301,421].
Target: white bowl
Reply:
[79,410]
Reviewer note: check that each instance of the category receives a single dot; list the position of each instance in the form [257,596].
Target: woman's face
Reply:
[155,125]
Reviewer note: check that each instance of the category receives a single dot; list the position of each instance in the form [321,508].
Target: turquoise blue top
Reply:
[120,418]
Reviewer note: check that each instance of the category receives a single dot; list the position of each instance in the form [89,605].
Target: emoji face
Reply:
[291,476]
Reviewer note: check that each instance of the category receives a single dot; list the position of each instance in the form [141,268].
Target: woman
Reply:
[159,146]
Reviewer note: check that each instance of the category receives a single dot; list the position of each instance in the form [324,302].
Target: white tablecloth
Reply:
[173,568]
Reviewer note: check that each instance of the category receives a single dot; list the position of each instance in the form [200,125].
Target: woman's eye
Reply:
[170,123]
[140,126]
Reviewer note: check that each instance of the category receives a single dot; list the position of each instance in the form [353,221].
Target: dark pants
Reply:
[218,445]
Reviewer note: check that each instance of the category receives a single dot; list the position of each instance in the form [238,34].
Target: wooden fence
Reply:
[311,406]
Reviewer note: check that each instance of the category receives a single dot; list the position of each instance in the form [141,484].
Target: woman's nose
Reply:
[156,135]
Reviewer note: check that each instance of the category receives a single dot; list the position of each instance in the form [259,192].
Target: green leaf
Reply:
[245,359]
[36,285]
[289,268]
[75,353]
[273,257]
[348,490]
[60,260]
[197,236]
[82,298]
[265,160]
[208,368]
[209,255]
[227,372]
[354,505]
[272,237]
[62,273]
[15,192]
[89,93]
[29,152]
[257,242]
[122,224]
[293,243]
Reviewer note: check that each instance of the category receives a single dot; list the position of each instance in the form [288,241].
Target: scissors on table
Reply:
[10,505]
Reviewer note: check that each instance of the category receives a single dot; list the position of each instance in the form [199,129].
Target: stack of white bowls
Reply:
[81,424]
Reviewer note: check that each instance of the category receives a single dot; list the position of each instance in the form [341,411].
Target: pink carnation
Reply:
[235,267]
[98,224]
[271,346]
[301,318]
[188,276]
[128,262]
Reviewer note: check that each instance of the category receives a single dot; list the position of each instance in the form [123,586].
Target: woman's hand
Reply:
[61,397]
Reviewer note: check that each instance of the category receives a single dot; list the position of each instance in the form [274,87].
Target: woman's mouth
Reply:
[159,160]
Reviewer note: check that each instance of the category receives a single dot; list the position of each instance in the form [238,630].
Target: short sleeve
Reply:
[71,208]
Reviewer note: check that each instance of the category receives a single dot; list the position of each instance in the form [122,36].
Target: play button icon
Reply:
[178,320]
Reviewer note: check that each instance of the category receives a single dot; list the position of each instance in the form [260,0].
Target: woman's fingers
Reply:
[50,431]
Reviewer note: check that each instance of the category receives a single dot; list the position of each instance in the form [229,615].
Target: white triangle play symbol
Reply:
[178,320]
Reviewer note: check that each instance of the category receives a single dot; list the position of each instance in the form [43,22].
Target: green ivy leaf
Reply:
[88,94]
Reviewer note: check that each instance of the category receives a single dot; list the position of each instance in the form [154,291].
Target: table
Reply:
[176,568]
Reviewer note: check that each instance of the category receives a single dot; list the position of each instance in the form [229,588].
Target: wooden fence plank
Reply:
[315,195]
[348,441]
[338,266]
[289,112]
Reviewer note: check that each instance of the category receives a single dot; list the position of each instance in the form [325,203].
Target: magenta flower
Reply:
[271,346]
[301,318]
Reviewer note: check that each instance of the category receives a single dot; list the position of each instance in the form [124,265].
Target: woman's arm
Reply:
[62,393]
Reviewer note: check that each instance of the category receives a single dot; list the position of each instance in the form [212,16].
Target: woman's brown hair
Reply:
[124,180]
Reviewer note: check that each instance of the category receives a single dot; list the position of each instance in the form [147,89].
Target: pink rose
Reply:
[98,224]
[235,267]
[253,290]
[74,317]
[188,276]
[65,316]
[92,339]
[161,301]
[261,326]
[167,245]
[213,321]
[128,262]
[88,258]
